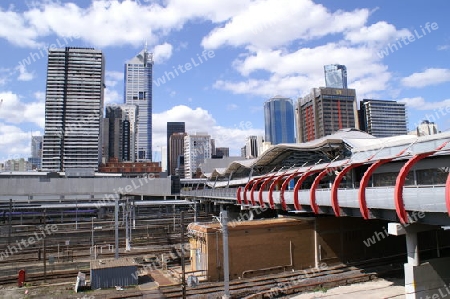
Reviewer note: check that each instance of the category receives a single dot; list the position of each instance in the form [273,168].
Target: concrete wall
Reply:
[428,280]
[60,186]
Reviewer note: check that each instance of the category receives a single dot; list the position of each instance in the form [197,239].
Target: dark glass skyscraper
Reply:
[172,128]
[279,120]
[138,91]
[335,76]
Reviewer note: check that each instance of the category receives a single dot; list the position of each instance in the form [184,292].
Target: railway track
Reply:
[278,285]
[53,277]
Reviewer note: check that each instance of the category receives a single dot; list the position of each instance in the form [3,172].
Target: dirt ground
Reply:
[393,288]
[66,291]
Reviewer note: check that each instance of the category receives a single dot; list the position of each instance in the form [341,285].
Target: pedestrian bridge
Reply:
[387,179]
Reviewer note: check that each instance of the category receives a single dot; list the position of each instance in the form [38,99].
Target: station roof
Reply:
[345,146]
[286,155]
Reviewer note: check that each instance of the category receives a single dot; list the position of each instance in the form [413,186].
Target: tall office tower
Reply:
[253,146]
[173,127]
[36,152]
[335,76]
[222,151]
[382,118]
[427,127]
[325,111]
[73,109]
[197,148]
[176,149]
[138,91]
[112,134]
[131,114]
[279,120]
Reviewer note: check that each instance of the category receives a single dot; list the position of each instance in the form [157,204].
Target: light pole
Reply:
[92,237]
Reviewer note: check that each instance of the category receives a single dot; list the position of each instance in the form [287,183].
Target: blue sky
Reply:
[255,50]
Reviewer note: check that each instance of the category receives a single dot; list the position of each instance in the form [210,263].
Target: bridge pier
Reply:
[428,280]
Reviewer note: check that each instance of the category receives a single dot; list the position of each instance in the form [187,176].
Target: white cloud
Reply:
[200,120]
[23,74]
[112,96]
[273,23]
[113,77]
[14,142]
[15,111]
[419,103]
[110,22]
[428,77]
[162,52]
[231,107]
[294,74]
[376,34]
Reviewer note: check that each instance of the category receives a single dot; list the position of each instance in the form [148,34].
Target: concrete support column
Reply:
[412,248]
[317,248]
[429,279]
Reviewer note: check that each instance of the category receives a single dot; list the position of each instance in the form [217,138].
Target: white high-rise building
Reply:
[427,127]
[73,109]
[138,91]
[253,146]
[197,148]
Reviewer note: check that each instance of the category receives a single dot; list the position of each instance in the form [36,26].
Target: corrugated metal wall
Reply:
[111,277]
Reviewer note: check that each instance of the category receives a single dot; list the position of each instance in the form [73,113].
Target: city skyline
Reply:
[229,70]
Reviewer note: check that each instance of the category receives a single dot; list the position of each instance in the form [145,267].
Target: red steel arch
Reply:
[272,187]
[261,189]
[363,185]
[252,198]
[283,188]
[238,195]
[298,186]
[249,183]
[312,192]
[400,182]
[335,188]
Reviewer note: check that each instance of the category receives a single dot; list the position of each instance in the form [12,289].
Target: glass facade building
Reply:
[383,118]
[172,128]
[335,76]
[138,91]
[279,120]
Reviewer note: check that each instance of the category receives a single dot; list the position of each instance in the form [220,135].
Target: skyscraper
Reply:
[176,150]
[382,118]
[279,120]
[73,109]
[426,127]
[36,152]
[173,127]
[197,148]
[335,76]
[253,146]
[222,152]
[138,91]
[325,111]
[129,145]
